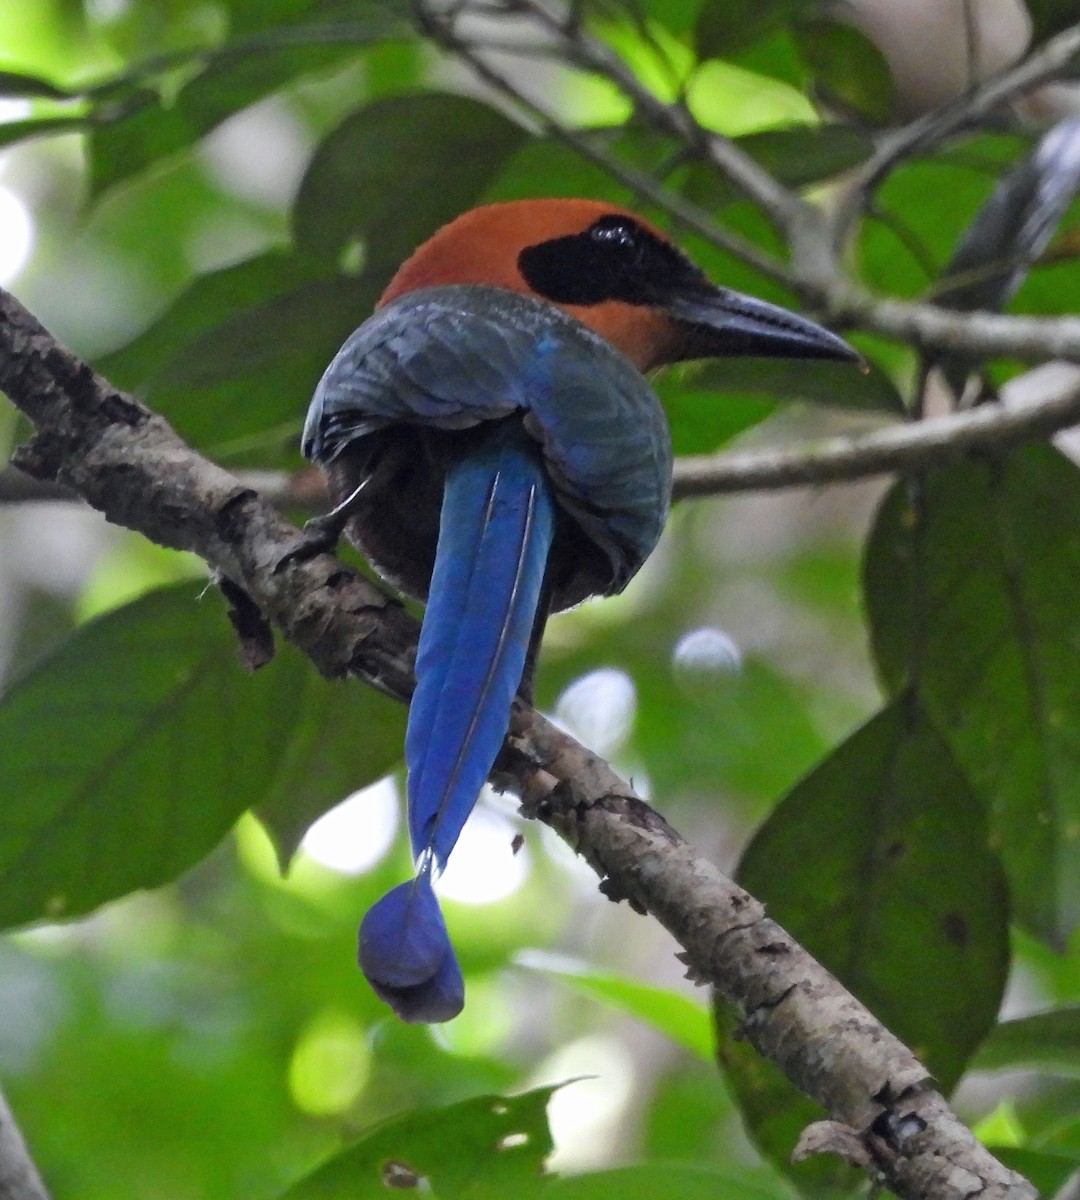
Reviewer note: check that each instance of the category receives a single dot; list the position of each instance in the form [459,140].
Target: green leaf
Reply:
[232,80]
[723,30]
[239,388]
[487,1147]
[970,589]
[131,751]
[1048,1041]
[682,1181]
[904,246]
[848,68]
[859,864]
[1046,1172]
[17,83]
[686,1022]
[1050,17]
[148,361]
[32,127]
[831,383]
[807,154]
[393,172]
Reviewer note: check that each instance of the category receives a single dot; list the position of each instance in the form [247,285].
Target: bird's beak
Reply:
[719,322]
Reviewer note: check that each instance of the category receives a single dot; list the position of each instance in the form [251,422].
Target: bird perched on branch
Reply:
[495,450]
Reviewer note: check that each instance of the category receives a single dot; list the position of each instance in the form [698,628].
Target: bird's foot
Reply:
[320,535]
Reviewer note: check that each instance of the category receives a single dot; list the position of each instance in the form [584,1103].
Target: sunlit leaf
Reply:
[132,749]
[488,1147]
[970,591]
[33,127]
[678,1017]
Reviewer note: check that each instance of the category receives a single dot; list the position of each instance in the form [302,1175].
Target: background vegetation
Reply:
[862,695]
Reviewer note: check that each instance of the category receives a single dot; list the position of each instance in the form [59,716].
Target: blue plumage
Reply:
[474,416]
[494,537]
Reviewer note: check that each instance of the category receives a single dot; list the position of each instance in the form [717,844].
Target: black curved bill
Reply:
[722,322]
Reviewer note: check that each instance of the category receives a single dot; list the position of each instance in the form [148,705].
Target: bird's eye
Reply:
[614,231]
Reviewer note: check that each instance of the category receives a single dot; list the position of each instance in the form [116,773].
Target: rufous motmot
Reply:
[495,450]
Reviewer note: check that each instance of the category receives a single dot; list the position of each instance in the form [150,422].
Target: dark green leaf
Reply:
[848,69]
[488,1147]
[797,157]
[131,751]
[859,864]
[724,29]
[835,384]
[1045,1172]
[147,362]
[807,153]
[1050,17]
[15,83]
[240,388]
[392,173]
[1048,1041]
[970,589]
[297,17]
[232,81]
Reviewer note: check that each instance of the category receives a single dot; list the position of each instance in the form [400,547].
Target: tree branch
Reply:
[19,1178]
[1044,64]
[578,47]
[127,462]
[898,448]
[647,189]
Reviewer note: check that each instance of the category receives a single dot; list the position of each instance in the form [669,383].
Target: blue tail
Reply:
[496,529]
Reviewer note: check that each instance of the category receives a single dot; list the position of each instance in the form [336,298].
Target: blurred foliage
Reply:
[885,687]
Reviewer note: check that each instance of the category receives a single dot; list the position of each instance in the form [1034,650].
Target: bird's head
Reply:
[617,274]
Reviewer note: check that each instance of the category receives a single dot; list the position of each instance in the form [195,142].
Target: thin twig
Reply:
[19,1178]
[643,186]
[782,206]
[898,448]
[1042,65]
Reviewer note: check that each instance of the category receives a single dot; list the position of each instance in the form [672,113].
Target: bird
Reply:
[494,449]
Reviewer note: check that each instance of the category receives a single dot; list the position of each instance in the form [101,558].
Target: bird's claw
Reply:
[320,535]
